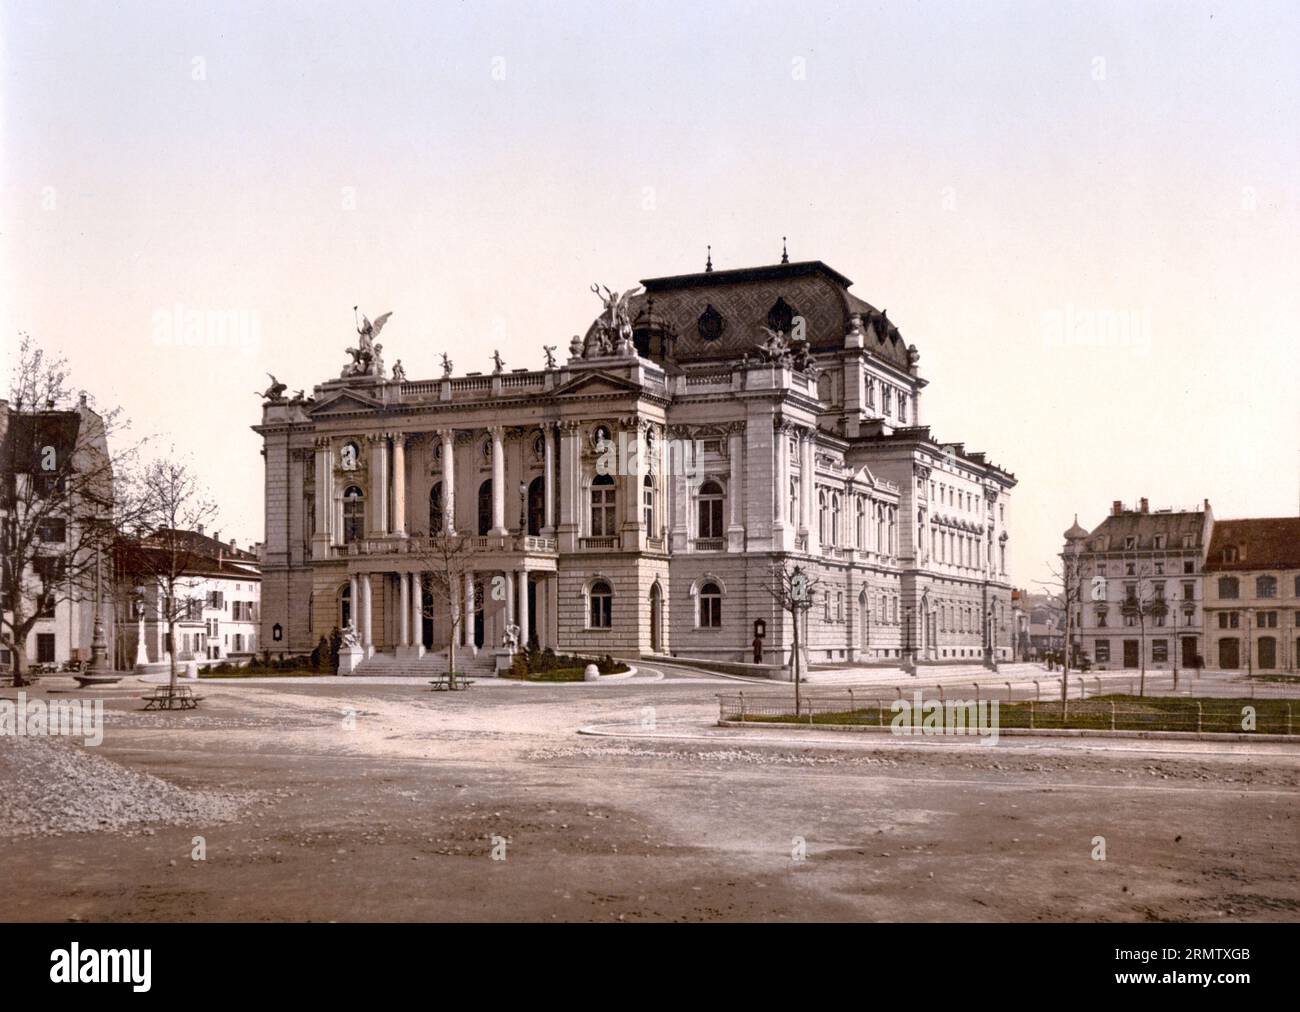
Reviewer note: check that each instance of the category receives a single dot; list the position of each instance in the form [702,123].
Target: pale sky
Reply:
[1084,215]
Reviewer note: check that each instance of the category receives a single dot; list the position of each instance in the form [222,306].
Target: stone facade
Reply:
[1154,559]
[639,497]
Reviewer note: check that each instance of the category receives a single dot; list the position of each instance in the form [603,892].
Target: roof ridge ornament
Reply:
[785,256]
[708,262]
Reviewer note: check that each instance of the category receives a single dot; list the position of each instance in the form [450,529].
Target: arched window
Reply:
[880,529]
[835,519]
[648,505]
[794,502]
[354,514]
[1266,586]
[345,606]
[860,523]
[710,606]
[485,507]
[435,509]
[823,519]
[1229,588]
[602,506]
[709,510]
[601,611]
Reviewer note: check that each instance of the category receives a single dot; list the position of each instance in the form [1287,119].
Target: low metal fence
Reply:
[872,707]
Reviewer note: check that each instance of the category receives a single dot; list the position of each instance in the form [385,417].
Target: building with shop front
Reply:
[1252,595]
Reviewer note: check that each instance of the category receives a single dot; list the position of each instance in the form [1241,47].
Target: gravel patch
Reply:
[50,788]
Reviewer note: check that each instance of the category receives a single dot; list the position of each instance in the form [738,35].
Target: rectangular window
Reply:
[1103,651]
[45,648]
[1267,620]
[602,512]
[54,530]
[1159,650]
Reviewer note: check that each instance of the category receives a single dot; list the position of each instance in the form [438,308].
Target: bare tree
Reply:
[57,496]
[448,560]
[163,548]
[1066,592]
[1144,598]
[792,589]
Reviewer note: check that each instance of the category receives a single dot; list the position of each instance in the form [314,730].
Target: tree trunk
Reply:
[20,664]
[451,644]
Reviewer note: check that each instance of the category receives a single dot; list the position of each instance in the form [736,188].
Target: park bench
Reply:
[445,682]
[164,698]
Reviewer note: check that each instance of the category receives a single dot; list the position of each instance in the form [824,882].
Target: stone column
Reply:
[522,580]
[367,642]
[568,485]
[629,484]
[404,630]
[808,490]
[736,491]
[399,484]
[448,480]
[378,512]
[417,616]
[548,481]
[510,595]
[324,500]
[467,623]
[498,481]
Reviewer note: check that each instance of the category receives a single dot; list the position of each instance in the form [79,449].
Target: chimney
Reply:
[1144,504]
[216,535]
[232,545]
[1116,508]
[200,529]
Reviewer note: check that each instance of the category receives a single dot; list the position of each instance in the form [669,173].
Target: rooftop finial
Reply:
[785,257]
[708,263]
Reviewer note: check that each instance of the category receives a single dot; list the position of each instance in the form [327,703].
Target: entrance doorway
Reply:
[864,623]
[656,618]
[1189,651]
[1131,653]
[1229,654]
[478,615]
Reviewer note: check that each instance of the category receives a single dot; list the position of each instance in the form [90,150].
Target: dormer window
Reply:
[1230,554]
[1130,543]
[1160,541]
[781,316]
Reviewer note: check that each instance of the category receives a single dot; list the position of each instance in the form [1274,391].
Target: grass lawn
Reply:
[1120,713]
[260,672]
[553,675]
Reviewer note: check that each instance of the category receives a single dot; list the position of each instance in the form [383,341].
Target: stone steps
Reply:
[482,666]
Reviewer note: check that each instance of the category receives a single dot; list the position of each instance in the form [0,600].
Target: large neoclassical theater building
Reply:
[638,496]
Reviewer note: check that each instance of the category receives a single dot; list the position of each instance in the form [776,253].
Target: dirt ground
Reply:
[393,803]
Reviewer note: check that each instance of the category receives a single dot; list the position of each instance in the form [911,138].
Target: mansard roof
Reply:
[720,315]
[1145,526]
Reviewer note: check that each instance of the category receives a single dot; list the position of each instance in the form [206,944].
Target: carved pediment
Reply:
[344,402]
[597,384]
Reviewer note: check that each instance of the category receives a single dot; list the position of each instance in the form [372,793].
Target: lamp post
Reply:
[98,644]
[909,659]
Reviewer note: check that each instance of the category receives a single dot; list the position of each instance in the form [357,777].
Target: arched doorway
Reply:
[864,622]
[536,505]
[345,605]
[656,618]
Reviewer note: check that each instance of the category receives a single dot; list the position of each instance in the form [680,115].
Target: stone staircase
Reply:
[481,666]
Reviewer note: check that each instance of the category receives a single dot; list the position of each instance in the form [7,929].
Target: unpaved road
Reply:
[354,802]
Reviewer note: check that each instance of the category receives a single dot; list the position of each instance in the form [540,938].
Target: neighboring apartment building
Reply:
[221,602]
[30,440]
[1140,577]
[1252,600]
[739,449]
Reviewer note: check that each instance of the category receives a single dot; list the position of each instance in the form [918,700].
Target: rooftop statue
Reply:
[275,392]
[614,326]
[446,366]
[367,356]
